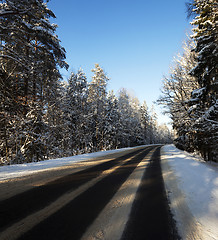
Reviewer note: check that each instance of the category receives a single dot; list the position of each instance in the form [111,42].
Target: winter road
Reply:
[120,196]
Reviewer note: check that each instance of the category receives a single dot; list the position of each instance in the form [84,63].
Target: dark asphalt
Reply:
[150,217]
[72,220]
[22,205]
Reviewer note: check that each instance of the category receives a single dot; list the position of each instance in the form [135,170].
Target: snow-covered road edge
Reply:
[192,188]
[21,170]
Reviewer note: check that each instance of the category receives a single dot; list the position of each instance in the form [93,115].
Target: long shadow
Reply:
[72,220]
[184,175]
[23,204]
[150,216]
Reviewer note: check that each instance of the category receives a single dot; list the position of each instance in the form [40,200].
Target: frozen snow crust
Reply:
[192,187]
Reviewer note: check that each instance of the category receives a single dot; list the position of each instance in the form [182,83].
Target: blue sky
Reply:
[134,41]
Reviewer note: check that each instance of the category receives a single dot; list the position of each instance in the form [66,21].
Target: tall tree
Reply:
[204,99]
[131,126]
[176,93]
[125,114]
[75,112]
[112,123]
[144,119]
[30,57]
[54,118]
[97,100]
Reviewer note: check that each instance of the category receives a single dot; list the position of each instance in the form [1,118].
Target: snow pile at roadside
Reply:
[19,170]
[192,186]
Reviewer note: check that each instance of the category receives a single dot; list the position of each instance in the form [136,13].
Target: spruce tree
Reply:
[125,114]
[30,57]
[176,94]
[204,101]
[112,123]
[75,114]
[144,119]
[97,100]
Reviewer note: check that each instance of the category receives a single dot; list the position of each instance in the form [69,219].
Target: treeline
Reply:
[91,119]
[190,91]
[40,116]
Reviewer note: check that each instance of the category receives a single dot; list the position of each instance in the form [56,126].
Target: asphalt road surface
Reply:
[121,196]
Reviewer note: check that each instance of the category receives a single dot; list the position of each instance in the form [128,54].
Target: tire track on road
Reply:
[28,202]
[71,221]
[112,220]
[150,217]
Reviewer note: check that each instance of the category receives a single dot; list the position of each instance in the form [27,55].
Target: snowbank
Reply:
[192,186]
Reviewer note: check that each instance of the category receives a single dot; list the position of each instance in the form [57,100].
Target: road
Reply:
[121,196]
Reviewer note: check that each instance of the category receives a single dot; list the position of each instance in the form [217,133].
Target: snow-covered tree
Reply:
[144,119]
[176,92]
[204,99]
[125,115]
[137,137]
[190,92]
[30,56]
[153,133]
[112,123]
[75,112]
[54,118]
[97,100]
[132,133]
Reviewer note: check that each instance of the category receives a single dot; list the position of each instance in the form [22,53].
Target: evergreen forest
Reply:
[44,117]
[190,91]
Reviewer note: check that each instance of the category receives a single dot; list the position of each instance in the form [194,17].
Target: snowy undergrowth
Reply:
[193,190]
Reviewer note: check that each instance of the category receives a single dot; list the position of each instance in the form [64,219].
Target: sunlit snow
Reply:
[198,183]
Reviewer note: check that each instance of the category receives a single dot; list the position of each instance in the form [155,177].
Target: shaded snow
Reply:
[198,183]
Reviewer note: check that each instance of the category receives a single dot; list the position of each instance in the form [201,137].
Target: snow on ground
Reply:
[192,187]
[19,170]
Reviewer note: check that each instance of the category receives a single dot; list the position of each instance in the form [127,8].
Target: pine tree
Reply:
[30,57]
[144,119]
[97,100]
[204,100]
[75,114]
[54,118]
[125,113]
[131,129]
[176,93]
[112,123]
[153,126]
[136,129]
